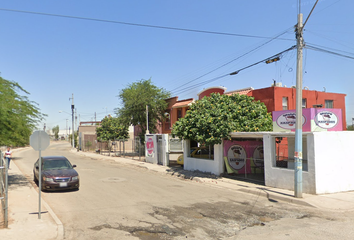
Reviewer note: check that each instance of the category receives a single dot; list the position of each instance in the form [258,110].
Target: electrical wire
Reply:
[276,55]
[199,84]
[139,24]
[320,10]
[229,62]
[329,39]
[327,51]
[233,73]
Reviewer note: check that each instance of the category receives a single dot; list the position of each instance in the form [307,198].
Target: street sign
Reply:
[39,140]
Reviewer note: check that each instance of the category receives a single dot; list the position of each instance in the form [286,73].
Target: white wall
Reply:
[215,166]
[284,177]
[330,163]
[333,152]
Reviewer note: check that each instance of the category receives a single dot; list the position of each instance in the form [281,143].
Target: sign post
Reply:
[39,140]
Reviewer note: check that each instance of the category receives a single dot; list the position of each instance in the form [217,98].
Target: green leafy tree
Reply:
[212,119]
[75,138]
[135,98]
[111,129]
[55,131]
[18,115]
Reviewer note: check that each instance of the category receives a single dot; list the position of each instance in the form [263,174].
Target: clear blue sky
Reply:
[54,57]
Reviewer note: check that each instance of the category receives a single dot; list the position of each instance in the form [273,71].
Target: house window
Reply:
[328,103]
[168,120]
[304,103]
[179,113]
[199,151]
[285,103]
[284,150]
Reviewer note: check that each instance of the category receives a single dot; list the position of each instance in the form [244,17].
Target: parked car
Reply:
[57,173]
[197,152]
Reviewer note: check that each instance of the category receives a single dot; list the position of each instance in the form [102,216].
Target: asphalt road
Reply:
[116,201]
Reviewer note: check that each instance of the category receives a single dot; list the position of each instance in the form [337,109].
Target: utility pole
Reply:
[73,129]
[75,118]
[147,120]
[298,125]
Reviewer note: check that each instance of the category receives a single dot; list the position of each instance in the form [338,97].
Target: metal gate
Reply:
[156,149]
[4,189]
[160,149]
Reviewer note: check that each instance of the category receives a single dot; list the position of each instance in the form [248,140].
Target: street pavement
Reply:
[23,199]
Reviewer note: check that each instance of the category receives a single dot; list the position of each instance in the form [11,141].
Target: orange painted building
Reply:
[283,98]
[175,110]
[276,98]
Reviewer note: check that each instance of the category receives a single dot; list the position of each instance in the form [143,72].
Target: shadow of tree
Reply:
[16,181]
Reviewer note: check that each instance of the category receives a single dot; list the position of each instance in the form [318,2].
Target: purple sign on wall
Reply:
[313,120]
[240,156]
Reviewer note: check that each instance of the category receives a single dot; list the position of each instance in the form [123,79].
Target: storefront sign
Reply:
[241,156]
[236,157]
[287,120]
[326,119]
[258,156]
[313,120]
[150,146]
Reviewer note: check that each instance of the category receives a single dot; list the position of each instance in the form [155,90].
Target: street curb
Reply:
[60,227]
[271,195]
[276,197]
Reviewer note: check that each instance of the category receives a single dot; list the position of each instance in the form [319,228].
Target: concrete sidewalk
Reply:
[23,199]
[23,204]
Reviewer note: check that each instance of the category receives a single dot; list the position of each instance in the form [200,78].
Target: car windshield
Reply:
[57,164]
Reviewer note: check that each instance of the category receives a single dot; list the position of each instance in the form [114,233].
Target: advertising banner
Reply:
[313,120]
[243,156]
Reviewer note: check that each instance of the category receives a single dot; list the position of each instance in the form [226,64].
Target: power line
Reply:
[329,39]
[200,84]
[278,55]
[274,56]
[332,49]
[254,49]
[140,25]
[327,51]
